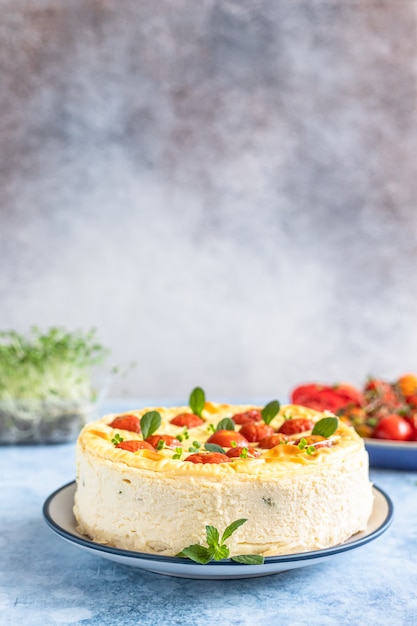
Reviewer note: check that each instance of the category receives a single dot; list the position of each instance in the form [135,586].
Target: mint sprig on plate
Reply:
[217,549]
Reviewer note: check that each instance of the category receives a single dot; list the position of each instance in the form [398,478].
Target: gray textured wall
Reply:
[226,189]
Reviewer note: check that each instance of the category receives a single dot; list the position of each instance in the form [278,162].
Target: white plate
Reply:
[58,514]
[390,454]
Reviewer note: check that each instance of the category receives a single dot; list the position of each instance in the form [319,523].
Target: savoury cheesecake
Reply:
[152,480]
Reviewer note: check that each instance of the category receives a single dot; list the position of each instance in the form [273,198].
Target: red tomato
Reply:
[321,397]
[236,452]
[255,432]
[134,445]
[393,427]
[126,422]
[296,425]
[225,439]
[272,440]
[254,415]
[189,420]
[170,442]
[208,457]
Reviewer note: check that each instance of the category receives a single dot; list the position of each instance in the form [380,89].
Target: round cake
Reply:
[152,480]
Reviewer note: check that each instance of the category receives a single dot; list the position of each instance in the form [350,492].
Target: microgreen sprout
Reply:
[178,453]
[195,447]
[117,439]
[303,445]
[160,445]
[211,428]
[244,453]
[55,364]
[184,435]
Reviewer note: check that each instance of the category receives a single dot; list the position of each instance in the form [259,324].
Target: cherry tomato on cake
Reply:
[208,457]
[134,445]
[296,425]
[228,439]
[126,422]
[189,420]
[255,432]
[270,441]
[254,415]
[169,441]
[393,427]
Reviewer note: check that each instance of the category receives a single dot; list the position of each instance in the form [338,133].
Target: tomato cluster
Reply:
[380,409]
[245,435]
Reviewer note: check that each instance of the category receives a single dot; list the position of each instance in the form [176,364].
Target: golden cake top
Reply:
[222,440]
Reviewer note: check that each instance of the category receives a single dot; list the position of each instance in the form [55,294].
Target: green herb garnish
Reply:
[160,445]
[149,423]
[270,411]
[184,435]
[226,424]
[213,447]
[178,453]
[217,549]
[195,447]
[244,453]
[197,401]
[325,427]
[117,439]
[303,445]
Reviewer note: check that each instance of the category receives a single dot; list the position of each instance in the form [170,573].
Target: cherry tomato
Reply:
[255,432]
[208,457]
[270,441]
[228,439]
[296,425]
[408,385]
[254,415]
[134,445]
[126,422]
[169,440]
[189,420]
[236,452]
[393,427]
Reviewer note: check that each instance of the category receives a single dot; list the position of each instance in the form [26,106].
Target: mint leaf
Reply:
[197,553]
[231,528]
[213,447]
[197,401]
[249,559]
[149,423]
[270,411]
[325,427]
[220,552]
[212,535]
[226,424]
